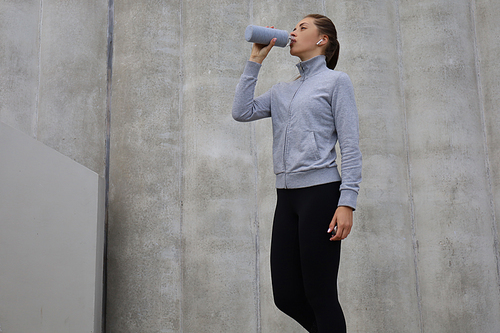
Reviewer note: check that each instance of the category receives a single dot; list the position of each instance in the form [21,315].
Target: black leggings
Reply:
[304,262]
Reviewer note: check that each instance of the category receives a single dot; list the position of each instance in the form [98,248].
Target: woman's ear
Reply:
[323,40]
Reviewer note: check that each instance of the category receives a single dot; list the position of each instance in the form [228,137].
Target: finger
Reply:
[346,231]
[340,234]
[343,234]
[332,225]
[268,48]
[333,235]
[334,232]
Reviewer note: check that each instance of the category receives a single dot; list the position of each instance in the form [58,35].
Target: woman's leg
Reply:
[286,271]
[320,257]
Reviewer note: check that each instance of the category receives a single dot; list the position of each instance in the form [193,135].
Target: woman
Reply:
[314,209]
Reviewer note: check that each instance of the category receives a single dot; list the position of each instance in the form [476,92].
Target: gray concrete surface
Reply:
[218,216]
[452,210]
[53,69]
[71,112]
[52,239]
[144,249]
[487,49]
[191,191]
[19,63]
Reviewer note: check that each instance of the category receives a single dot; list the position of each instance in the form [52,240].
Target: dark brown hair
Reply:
[326,27]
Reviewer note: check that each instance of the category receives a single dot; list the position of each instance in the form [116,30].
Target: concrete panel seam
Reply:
[253,144]
[181,164]
[253,147]
[34,124]
[323,6]
[399,43]
[107,151]
[109,93]
[485,138]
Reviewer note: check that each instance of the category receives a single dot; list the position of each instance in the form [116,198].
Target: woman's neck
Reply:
[310,55]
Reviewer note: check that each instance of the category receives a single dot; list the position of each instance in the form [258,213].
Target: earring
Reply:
[319,41]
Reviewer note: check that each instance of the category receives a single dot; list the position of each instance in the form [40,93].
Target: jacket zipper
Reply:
[287,126]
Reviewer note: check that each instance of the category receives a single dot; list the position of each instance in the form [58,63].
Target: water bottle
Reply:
[261,35]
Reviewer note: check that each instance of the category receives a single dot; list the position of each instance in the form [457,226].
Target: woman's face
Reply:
[305,38]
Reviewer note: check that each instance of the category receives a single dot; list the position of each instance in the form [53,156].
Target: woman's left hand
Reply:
[343,220]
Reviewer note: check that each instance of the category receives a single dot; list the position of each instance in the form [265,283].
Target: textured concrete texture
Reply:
[456,258]
[72,80]
[191,194]
[52,239]
[53,69]
[144,256]
[487,47]
[19,63]
[217,215]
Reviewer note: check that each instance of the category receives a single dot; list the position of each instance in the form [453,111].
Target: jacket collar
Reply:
[312,66]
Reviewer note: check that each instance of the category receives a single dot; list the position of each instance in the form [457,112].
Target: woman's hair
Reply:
[326,27]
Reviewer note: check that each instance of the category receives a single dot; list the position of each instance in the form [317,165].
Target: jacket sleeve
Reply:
[245,107]
[347,126]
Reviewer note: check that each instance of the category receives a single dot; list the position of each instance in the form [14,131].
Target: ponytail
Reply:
[326,27]
[333,57]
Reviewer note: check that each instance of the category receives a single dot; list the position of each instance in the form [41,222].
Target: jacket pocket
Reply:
[303,152]
[313,147]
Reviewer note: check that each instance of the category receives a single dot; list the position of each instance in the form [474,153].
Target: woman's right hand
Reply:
[260,51]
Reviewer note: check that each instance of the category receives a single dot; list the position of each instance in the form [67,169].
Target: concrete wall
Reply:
[191,191]
[145,221]
[53,69]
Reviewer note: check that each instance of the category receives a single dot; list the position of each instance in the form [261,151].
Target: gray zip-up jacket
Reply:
[308,115]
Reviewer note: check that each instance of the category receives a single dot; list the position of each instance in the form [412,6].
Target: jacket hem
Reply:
[307,178]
